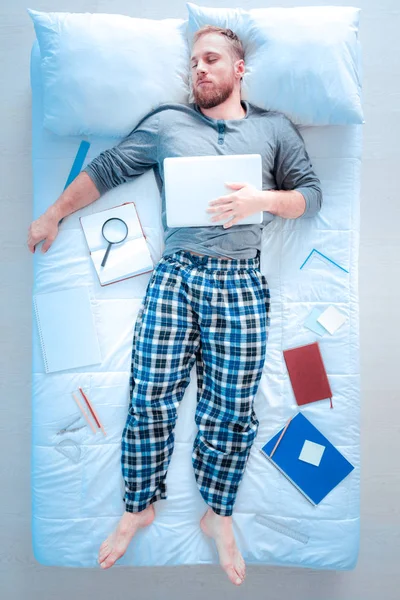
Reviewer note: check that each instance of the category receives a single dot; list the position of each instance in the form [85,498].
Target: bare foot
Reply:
[116,544]
[220,529]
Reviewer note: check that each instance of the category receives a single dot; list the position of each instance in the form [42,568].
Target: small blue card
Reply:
[312,323]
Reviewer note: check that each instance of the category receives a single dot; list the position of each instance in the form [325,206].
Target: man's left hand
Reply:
[243,202]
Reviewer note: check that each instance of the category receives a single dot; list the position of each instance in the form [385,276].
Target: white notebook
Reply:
[126,259]
[191,182]
[66,329]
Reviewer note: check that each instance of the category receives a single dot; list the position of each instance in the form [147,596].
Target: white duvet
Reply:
[76,505]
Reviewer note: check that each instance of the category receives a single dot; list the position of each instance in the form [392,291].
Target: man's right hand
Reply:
[44,228]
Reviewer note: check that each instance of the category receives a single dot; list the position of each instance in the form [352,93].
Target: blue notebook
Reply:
[308,459]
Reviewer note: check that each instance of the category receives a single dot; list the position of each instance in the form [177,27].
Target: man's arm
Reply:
[134,155]
[286,204]
[80,192]
[299,191]
[130,158]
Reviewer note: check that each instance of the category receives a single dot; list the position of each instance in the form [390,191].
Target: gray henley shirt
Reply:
[183,130]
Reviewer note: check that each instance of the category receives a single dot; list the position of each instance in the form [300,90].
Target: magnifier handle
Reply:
[106,254]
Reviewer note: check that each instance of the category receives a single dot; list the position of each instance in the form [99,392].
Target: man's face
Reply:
[212,70]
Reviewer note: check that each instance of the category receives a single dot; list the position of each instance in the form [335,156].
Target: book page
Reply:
[124,260]
[92,225]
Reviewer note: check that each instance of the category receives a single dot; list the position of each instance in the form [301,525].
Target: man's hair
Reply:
[235,44]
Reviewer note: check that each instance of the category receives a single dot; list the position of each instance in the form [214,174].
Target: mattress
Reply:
[76,505]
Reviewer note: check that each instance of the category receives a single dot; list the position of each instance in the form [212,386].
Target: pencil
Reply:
[280,437]
[99,425]
[83,412]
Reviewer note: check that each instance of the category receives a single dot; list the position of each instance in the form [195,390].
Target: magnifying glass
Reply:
[114,231]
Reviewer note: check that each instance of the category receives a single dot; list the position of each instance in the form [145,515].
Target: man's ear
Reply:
[240,68]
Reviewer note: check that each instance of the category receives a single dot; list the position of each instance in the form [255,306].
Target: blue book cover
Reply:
[308,459]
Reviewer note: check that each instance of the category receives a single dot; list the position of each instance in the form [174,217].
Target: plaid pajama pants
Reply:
[214,311]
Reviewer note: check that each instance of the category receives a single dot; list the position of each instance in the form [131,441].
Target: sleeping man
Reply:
[207,300]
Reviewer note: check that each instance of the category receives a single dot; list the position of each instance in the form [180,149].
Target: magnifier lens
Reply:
[114,231]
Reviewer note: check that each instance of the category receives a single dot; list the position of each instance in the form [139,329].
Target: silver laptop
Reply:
[191,182]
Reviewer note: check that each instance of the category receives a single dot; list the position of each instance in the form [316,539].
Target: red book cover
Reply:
[307,374]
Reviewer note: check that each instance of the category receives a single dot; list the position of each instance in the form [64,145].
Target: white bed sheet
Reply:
[75,506]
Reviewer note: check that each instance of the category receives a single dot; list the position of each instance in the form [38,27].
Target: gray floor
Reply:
[377,572]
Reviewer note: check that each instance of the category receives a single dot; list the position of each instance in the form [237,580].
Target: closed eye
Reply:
[211,61]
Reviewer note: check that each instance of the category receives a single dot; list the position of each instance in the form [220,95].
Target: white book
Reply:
[202,179]
[66,328]
[126,259]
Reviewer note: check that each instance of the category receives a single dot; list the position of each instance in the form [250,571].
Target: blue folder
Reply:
[77,165]
[314,482]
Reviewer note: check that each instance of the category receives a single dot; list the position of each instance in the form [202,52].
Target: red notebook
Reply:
[307,374]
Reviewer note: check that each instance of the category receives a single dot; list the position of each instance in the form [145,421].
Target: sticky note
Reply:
[312,323]
[311,453]
[331,319]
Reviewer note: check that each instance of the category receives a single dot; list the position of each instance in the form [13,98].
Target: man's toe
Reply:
[106,563]
[110,560]
[232,574]
[103,553]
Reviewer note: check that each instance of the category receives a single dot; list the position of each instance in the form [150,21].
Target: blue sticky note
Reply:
[312,323]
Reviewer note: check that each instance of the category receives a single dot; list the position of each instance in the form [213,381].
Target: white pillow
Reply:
[303,61]
[102,73]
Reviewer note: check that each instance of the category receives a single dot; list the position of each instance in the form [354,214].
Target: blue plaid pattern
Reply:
[214,311]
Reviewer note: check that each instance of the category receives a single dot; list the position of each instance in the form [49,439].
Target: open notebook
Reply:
[126,259]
